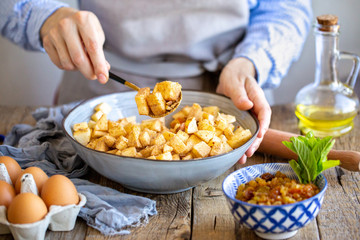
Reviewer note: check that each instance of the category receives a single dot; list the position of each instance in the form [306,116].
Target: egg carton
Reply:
[59,218]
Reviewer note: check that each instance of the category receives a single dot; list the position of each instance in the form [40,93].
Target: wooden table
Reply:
[202,212]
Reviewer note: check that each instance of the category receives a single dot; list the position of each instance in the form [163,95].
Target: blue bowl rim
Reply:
[121,157]
[271,206]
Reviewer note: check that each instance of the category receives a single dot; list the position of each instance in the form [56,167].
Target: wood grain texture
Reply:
[15,115]
[212,218]
[202,212]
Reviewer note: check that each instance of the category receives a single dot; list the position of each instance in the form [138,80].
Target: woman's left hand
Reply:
[238,83]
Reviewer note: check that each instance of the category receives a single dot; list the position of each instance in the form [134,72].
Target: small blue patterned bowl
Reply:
[272,222]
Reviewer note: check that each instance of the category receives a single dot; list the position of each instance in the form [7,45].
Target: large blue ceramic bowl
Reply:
[157,176]
[272,222]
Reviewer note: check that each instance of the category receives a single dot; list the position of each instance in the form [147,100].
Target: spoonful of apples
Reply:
[163,100]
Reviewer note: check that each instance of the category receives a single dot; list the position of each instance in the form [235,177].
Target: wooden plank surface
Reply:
[202,212]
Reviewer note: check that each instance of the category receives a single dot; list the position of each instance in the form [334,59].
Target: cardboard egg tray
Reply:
[59,218]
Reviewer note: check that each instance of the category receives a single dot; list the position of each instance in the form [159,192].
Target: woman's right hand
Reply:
[74,40]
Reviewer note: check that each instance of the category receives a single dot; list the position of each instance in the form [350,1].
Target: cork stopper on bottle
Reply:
[328,22]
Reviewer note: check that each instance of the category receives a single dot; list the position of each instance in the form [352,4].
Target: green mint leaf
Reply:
[297,169]
[326,149]
[300,172]
[310,134]
[330,163]
[303,139]
[321,151]
[306,157]
[289,145]
[312,156]
[310,140]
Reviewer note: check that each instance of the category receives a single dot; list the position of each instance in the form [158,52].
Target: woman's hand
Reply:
[237,82]
[74,41]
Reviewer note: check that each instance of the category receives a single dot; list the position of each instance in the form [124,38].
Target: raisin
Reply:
[248,193]
[267,176]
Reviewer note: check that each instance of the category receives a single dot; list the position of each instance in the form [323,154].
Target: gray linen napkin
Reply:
[46,146]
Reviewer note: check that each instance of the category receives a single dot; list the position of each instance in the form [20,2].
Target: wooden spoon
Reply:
[169,107]
[271,144]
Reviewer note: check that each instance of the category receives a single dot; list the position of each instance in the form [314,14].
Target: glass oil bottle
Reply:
[328,106]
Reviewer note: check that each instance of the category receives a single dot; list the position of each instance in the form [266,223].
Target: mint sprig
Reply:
[312,156]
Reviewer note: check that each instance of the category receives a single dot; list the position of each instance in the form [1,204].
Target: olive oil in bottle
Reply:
[324,121]
[328,106]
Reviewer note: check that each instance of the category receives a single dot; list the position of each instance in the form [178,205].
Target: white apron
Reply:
[151,40]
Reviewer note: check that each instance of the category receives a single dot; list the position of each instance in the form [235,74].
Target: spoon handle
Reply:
[123,81]
[271,144]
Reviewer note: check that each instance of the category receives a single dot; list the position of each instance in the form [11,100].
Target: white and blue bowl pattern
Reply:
[271,219]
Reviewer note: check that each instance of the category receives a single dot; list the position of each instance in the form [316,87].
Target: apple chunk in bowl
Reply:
[157,176]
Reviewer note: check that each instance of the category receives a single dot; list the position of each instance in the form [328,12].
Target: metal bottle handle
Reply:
[351,80]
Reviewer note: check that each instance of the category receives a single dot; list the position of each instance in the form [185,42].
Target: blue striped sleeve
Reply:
[275,37]
[20,21]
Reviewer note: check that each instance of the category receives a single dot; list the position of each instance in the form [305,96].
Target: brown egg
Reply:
[59,190]
[12,167]
[7,194]
[39,175]
[26,208]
